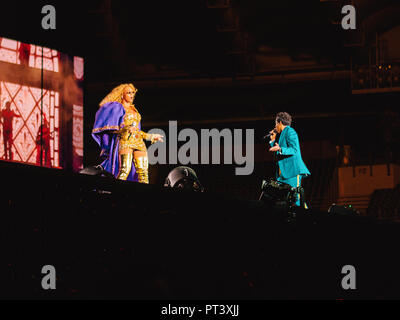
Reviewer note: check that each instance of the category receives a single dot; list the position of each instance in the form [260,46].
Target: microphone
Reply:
[269,134]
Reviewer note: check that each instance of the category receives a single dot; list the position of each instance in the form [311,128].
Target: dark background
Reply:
[230,67]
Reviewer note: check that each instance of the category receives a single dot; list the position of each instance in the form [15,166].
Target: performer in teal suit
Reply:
[291,168]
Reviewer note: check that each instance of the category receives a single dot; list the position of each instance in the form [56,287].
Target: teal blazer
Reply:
[290,161]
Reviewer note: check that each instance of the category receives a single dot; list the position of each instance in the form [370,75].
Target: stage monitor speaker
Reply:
[96,171]
[183,178]
[346,210]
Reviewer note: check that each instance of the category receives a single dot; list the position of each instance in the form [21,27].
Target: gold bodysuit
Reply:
[133,140]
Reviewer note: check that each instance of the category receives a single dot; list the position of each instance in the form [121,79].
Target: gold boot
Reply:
[142,169]
[125,166]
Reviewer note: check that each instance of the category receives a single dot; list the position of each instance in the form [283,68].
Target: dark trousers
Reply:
[7,140]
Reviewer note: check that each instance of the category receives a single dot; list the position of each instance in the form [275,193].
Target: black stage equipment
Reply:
[97,171]
[346,210]
[183,178]
[281,194]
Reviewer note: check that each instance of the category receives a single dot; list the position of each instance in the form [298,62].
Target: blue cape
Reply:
[108,119]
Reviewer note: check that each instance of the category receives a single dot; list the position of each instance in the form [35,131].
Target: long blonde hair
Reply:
[116,95]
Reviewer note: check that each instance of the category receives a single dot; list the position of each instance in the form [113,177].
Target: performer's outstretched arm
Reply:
[151,137]
[146,136]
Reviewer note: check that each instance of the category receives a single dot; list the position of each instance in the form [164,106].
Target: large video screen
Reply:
[41,106]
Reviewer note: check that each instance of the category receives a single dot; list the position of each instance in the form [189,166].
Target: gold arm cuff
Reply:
[105,128]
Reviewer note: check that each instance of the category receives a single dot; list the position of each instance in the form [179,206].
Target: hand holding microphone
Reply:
[271,135]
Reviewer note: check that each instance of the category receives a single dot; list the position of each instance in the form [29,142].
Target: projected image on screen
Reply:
[22,130]
[41,109]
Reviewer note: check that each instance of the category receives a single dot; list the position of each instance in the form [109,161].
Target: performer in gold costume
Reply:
[118,131]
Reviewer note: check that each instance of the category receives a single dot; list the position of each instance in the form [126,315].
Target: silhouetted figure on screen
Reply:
[24,54]
[43,144]
[7,116]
